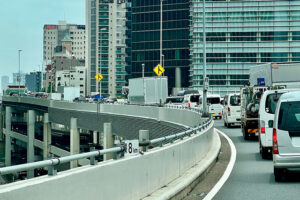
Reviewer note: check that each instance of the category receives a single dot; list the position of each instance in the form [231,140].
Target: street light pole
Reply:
[161,25]
[143,70]
[205,113]
[19,78]
[100,85]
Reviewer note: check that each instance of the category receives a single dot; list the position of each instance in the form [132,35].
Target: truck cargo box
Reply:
[148,90]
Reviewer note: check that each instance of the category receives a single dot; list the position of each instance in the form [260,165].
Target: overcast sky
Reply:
[22,22]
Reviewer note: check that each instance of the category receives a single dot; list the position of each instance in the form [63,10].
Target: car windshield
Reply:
[195,98]
[289,116]
[174,100]
[191,92]
[213,100]
[235,100]
[271,102]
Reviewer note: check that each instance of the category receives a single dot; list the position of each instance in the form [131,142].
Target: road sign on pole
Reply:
[159,70]
[99,77]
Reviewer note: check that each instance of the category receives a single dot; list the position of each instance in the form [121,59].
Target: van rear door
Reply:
[288,132]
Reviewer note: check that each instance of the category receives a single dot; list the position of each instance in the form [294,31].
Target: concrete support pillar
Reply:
[30,135]
[178,77]
[8,113]
[46,136]
[1,124]
[75,141]
[108,141]
[143,136]
[95,137]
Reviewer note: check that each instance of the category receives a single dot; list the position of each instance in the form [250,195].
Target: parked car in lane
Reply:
[286,135]
[232,110]
[266,113]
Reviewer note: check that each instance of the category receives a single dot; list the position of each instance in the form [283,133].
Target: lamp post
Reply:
[205,85]
[100,71]
[161,25]
[19,77]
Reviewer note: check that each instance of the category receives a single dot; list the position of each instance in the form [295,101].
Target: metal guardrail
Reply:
[118,151]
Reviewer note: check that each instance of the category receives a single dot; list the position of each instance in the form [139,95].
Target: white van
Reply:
[232,110]
[286,135]
[266,112]
[214,105]
[191,100]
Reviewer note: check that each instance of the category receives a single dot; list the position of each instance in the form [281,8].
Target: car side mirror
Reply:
[270,123]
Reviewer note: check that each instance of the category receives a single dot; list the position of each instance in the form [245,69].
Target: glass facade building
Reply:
[146,39]
[106,29]
[240,34]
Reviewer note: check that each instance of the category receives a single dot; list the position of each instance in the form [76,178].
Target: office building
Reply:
[54,35]
[22,78]
[175,36]
[241,34]
[33,81]
[106,32]
[74,77]
[4,82]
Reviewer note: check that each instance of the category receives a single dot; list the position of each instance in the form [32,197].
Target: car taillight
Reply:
[262,127]
[228,111]
[275,144]
[189,105]
[220,113]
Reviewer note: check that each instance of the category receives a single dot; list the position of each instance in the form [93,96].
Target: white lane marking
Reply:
[227,172]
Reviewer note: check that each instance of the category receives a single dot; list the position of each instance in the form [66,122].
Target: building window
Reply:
[243,57]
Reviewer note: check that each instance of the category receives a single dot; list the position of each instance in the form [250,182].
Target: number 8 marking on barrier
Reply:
[130,147]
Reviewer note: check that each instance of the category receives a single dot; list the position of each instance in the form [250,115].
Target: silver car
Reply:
[286,135]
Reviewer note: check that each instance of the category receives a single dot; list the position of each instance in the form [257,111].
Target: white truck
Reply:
[272,74]
[148,90]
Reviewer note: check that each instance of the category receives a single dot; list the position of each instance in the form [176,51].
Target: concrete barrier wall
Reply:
[127,178]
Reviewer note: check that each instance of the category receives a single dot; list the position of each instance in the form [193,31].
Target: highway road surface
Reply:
[252,177]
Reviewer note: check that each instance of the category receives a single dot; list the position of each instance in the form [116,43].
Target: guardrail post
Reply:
[1,124]
[108,140]
[46,136]
[51,169]
[30,135]
[117,143]
[75,141]
[92,158]
[143,136]
[8,113]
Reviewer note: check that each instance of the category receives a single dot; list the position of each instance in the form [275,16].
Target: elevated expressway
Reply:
[135,177]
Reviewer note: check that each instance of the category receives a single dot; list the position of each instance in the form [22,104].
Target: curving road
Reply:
[252,177]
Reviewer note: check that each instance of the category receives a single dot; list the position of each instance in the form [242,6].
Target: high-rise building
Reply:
[106,32]
[33,81]
[54,35]
[240,34]
[4,82]
[175,35]
[22,79]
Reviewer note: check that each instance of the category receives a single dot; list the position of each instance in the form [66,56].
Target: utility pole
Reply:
[19,78]
[205,85]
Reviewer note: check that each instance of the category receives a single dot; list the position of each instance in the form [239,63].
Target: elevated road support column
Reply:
[8,113]
[46,136]
[30,134]
[1,124]
[108,140]
[75,141]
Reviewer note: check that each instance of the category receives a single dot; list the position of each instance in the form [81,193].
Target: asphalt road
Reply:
[252,177]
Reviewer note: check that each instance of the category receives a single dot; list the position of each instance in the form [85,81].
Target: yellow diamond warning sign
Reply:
[159,70]
[98,77]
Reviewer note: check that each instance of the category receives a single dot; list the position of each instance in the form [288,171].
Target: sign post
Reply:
[159,70]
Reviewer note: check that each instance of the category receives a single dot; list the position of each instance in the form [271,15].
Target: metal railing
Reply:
[118,151]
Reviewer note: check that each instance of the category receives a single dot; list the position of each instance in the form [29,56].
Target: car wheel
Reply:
[264,152]
[245,133]
[280,174]
[229,125]
[225,124]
